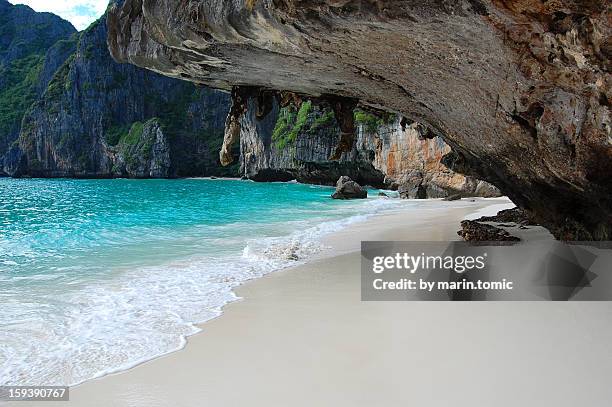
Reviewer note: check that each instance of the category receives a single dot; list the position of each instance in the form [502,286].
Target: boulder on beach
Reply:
[412,186]
[454,197]
[473,231]
[346,188]
[515,215]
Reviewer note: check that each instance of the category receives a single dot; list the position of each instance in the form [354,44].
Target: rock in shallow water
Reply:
[346,188]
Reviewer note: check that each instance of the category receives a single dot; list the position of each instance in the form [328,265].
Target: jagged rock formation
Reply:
[519,89]
[472,231]
[25,37]
[515,215]
[100,119]
[490,228]
[412,162]
[296,143]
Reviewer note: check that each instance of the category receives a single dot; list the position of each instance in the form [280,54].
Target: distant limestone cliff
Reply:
[96,118]
[25,38]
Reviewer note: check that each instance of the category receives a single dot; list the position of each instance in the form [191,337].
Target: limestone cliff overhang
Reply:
[519,89]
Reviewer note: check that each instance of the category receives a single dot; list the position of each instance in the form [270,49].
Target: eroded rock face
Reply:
[283,147]
[519,89]
[412,162]
[296,142]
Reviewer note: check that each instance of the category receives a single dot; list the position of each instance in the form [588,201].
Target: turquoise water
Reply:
[99,275]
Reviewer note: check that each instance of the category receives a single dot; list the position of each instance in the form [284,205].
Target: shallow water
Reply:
[97,276]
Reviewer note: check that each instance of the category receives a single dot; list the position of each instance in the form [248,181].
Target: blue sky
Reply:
[80,13]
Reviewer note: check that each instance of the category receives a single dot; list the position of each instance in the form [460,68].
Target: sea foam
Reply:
[91,326]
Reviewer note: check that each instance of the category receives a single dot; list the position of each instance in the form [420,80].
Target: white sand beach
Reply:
[303,337]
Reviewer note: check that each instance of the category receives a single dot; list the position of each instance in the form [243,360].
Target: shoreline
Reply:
[302,337]
[141,296]
[389,225]
[334,244]
[323,254]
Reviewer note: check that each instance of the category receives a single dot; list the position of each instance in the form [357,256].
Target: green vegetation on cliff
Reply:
[134,147]
[133,135]
[25,38]
[309,120]
[128,135]
[327,119]
[370,122]
[115,133]
[290,124]
[60,82]
[20,77]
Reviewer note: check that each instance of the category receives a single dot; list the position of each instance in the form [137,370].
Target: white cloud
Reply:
[80,13]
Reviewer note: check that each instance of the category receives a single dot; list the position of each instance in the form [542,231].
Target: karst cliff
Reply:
[520,90]
[78,113]
[296,143]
